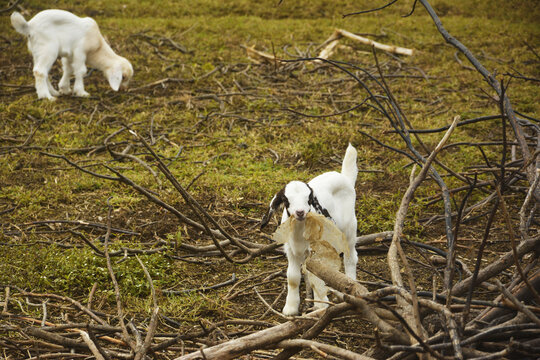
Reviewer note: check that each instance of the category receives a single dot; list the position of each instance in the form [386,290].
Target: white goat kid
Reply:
[78,41]
[331,194]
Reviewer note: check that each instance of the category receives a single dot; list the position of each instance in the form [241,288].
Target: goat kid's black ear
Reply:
[277,200]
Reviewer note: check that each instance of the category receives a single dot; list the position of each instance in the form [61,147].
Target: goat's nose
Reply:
[300,213]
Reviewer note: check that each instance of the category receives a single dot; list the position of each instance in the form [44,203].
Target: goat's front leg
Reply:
[294,275]
[43,62]
[79,70]
[64,84]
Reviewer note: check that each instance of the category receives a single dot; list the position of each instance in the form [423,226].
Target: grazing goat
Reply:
[78,41]
[331,194]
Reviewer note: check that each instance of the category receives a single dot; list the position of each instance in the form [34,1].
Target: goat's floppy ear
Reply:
[277,200]
[115,78]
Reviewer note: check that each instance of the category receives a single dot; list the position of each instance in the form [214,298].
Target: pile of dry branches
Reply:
[448,322]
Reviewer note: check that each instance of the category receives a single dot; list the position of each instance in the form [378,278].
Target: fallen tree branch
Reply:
[497,266]
[344,284]
[120,312]
[518,304]
[494,83]
[259,340]
[329,349]
[411,314]
[390,48]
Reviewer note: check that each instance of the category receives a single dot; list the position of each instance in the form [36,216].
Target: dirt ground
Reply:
[233,129]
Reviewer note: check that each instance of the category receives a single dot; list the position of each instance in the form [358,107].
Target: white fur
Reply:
[335,192]
[78,41]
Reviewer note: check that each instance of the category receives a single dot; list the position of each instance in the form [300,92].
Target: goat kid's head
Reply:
[120,74]
[297,198]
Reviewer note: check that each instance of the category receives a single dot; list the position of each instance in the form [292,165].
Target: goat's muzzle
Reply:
[300,215]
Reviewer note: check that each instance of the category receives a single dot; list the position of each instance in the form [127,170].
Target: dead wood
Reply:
[92,346]
[495,268]
[517,303]
[423,323]
[323,349]
[372,238]
[55,339]
[346,285]
[126,337]
[519,291]
[260,340]
[495,84]
[331,313]
[260,57]
[395,246]
[10,6]
[389,48]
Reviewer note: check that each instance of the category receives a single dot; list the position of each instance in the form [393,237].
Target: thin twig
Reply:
[119,310]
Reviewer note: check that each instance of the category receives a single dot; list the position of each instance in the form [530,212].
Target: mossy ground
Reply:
[243,141]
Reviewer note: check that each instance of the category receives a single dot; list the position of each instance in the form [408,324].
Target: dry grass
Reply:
[211,111]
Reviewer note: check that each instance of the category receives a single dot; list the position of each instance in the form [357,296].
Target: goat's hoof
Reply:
[82,94]
[47,96]
[54,92]
[290,311]
[318,306]
[65,91]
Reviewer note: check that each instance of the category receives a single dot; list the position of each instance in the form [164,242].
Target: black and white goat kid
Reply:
[331,194]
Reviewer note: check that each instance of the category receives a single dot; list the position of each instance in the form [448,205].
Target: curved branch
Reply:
[371,10]
[494,83]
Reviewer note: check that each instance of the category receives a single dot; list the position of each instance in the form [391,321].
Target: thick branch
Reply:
[259,340]
[343,283]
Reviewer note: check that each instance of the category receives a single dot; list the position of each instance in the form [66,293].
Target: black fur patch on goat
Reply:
[313,201]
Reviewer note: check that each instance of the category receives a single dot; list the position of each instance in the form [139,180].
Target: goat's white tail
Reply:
[19,23]
[349,167]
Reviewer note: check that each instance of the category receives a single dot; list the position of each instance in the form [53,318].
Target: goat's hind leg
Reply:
[320,291]
[79,70]
[351,260]
[52,90]
[307,281]
[64,84]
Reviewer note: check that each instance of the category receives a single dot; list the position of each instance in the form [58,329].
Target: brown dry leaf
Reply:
[325,239]
[324,251]
[320,230]
[284,231]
